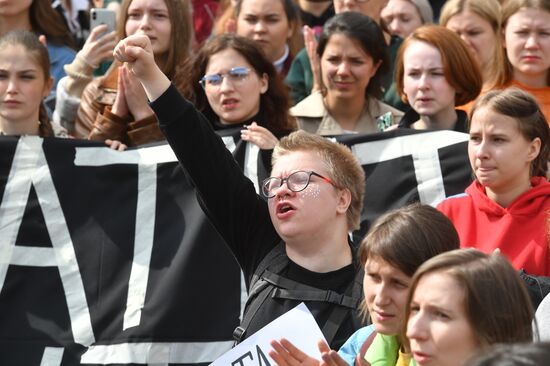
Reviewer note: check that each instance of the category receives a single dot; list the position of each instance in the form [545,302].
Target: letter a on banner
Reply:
[30,168]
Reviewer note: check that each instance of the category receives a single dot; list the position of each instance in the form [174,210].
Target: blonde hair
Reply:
[490,10]
[343,167]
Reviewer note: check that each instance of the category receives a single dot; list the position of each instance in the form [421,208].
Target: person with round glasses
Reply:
[236,86]
[292,247]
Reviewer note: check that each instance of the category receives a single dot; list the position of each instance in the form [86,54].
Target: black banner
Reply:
[107,258]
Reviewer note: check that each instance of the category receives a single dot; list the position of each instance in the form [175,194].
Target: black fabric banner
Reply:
[107,258]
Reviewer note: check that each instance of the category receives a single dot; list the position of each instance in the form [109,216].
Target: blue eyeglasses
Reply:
[236,75]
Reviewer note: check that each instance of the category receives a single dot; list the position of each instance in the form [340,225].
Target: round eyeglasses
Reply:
[236,75]
[296,182]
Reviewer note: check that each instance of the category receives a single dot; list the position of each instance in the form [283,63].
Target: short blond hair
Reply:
[343,167]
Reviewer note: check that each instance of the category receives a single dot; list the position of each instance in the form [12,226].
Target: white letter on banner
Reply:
[145,218]
[423,148]
[29,167]
[52,356]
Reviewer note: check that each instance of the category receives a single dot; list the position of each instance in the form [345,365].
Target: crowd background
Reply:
[272,67]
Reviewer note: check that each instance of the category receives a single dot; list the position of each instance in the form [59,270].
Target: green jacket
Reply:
[384,351]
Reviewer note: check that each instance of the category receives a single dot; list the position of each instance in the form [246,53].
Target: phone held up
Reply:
[103,16]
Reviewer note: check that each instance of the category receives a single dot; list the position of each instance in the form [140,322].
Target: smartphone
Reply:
[103,16]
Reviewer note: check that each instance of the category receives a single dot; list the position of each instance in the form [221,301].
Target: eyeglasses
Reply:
[296,182]
[236,75]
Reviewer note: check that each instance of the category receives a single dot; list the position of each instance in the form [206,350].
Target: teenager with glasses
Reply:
[236,86]
[294,246]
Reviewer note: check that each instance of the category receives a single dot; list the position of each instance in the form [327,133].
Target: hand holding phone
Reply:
[103,16]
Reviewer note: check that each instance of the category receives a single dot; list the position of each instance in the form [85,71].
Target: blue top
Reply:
[59,57]
[351,348]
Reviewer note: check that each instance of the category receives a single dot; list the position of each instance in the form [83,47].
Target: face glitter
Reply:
[312,190]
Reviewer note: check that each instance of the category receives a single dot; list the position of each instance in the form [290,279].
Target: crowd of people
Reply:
[426,286]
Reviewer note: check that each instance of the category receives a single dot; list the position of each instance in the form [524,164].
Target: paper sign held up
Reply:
[296,325]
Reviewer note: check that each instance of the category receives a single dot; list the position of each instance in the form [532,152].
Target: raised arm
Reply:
[227,196]
[137,52]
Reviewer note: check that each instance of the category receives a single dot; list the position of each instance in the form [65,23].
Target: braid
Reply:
[44,126]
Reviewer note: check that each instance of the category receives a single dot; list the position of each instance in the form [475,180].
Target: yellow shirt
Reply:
[403,359]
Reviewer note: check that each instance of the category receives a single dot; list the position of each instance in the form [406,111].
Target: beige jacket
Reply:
[312,116]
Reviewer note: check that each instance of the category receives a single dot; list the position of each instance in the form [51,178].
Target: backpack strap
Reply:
[266,276]
[258,293]
[339,313]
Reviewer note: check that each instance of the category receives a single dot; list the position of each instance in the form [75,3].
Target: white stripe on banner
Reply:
[251,164]
[14,200]
[101,156]
[143,244]
[155,353]
[33,256]
[52,356]
[423,148]
[229,143]
[65,255]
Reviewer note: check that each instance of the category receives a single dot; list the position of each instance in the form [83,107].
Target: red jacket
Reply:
[519,230]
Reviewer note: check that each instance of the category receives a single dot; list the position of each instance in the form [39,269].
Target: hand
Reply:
[137,52]
[115,145]
[259,136]
[120,107]
[42,39]
[98,46]
[284,353]
[332,358]
[311,48]
[136,100]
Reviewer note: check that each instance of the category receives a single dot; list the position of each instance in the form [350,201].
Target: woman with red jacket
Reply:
[507,206]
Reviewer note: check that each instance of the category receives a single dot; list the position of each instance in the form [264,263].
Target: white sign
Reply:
[296,325]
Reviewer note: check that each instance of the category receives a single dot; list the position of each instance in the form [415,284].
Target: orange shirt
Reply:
[541,94]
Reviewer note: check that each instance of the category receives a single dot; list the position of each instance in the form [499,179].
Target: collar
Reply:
[280,62]
[258,118]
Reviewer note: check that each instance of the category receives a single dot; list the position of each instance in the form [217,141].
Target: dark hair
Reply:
[521,106]
[274,103]
[409,236]
[296,40]
[460,68]
[521,354]
[181,34]
[496,301]
[45,20]
[29,41]
[368,34]
[291,10]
